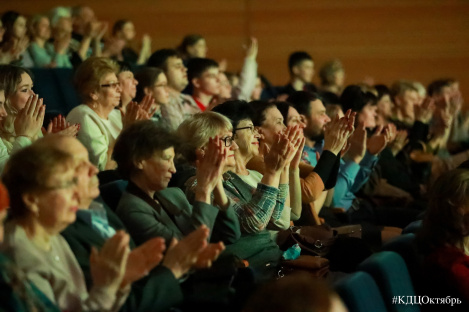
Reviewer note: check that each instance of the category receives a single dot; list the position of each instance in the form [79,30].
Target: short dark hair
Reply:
[118,25]
[197,66]
[138,142]
[283,107]
[296,58]
[187,41]
[160,57]
[258,111]
[146,78]
[382,91]
[8,20]
[301,101]
[123,66]
[355,99]
[235,110]
[26,171]
[436,86]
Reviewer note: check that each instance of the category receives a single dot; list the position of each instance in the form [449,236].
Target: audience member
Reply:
[301,69]
[443,236]
[43,53]
[204,80]
[152,82]
[100,122]
[332,76]
[124,31]
[192,46]
[180,106]
[15,41]
[44,200]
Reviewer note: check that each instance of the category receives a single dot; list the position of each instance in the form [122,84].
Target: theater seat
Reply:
[111,192]
[360,293]
[412,227]
[390,272]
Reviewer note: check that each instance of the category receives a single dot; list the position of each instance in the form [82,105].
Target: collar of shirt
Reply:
[96,217]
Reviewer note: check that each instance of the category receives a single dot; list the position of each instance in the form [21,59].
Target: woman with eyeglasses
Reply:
[254,207]
[247,138]
[152,82]
[44,200]
[148,207]
[100,122]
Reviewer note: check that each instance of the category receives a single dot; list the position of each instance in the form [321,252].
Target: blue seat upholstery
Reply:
[360,293]
[413,227]
[55,86]
[390,272]
[111,192]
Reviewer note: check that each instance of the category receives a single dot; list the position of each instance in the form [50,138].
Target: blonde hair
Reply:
[89,74]
[195,131]
[328,71]
[401,86]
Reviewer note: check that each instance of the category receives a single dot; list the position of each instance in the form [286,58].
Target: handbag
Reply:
[313,240]
[354,230]
[317,267]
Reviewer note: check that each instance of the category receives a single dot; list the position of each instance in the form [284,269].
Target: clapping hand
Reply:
[143,259]
[108,265]
[210,165]
[60,126]
[29,120]
[377,142]
[357,142]
[183,255]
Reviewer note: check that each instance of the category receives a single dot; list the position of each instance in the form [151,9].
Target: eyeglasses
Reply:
[251,127]
[228,141]
[112,85]
[66,185]
[161,85]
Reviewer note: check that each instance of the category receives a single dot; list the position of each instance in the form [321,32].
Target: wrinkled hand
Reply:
[143,259]
[29,120]
[210,165]
[182,255]
[208,255]
[135,112]
[357,142]
[108,265]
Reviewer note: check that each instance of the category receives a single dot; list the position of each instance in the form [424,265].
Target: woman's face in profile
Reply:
[56,200]
[110,91]
[247,138]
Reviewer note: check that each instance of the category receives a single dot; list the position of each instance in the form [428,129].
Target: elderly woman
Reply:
[247,138]
[20,295]
[43,53]
[254,207]
[149,208]
[42,187]
[443,238]
[100,122]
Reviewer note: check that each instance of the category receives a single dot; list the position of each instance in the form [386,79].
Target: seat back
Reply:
[390,272]
[360,293]
[413,227]
[111,192]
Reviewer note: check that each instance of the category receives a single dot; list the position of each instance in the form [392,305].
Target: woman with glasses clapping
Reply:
[100,122]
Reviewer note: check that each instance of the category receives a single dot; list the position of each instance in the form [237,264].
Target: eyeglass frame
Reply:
[252,127]
[231,141]
[110,85]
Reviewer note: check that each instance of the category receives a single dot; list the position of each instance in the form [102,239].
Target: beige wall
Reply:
[385,40]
